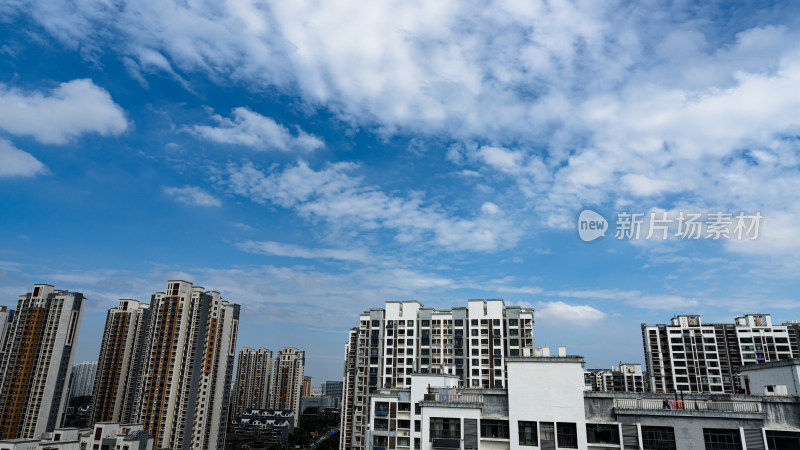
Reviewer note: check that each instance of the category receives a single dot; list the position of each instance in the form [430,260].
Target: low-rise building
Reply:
[545,406]
[105,435]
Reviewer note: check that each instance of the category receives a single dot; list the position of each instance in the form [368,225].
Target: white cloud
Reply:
[251,129]
[296,251]
[16,162]
[67,111]
[559,312]
[192,195]
[345,201]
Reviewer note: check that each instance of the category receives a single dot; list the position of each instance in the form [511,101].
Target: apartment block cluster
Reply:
[266,395]
[471,378]
[166,366]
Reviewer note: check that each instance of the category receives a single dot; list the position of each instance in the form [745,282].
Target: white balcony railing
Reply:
[688,405]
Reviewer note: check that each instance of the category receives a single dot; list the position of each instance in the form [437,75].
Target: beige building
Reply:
[119,364]
[287,381]
[187,367]
[36,367]
[253,373]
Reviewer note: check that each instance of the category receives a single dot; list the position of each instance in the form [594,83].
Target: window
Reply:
[381,408]
[782,440]
[722,439]
[567,435]
[602,433]
[528,434]
[445,428]
[658,438]
[382,424]
[494,429]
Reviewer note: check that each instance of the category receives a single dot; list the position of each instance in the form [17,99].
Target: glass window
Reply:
[722,439]
[494,428]
[528,434]
[602,433]
[660,438]
[445,428]
[567,435]
[782,440]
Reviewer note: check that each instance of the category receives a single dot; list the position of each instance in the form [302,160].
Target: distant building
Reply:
[332,389]
[625,378]
[253,373]
[318,404]
[307,386]
[119,367]
[389,345]
[83,375]
[287,381]
[689,356]
[37,364]
[264,426]
[187,367]
[6,317]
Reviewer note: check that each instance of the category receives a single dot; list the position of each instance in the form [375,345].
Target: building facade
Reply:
[332,389]
[625,378]
[187,367]
[543,406]
[471,343]
[253,374]
[36,367]
[689,356]
[82,382]
[287,381]
[308,386]
[120,362]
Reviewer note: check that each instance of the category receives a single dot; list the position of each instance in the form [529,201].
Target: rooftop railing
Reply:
[688,405]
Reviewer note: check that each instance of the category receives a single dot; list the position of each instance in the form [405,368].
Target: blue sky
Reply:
[311,161]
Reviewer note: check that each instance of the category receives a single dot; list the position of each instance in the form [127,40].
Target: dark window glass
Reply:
[494,428]
[602,433]
[567,435]
[722,439]
[658,438]
[528,434]
[445,428]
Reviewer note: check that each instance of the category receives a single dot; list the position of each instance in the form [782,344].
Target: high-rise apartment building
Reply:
[308,386]
[82,382]
[36,367]
[253,373]
[689,356]
[187,368]
[5,321]
[390,344]
[120,362]
[287,381]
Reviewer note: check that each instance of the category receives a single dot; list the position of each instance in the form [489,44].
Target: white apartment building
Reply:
[287,381]
[253,374]
[36,367]
[547,408]
[472,343]
[689,356]
[187,367]
[120,362]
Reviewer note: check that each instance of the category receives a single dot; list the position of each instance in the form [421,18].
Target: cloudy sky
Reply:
[311,160]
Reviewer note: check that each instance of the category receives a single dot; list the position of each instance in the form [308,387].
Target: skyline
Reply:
[313,161]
